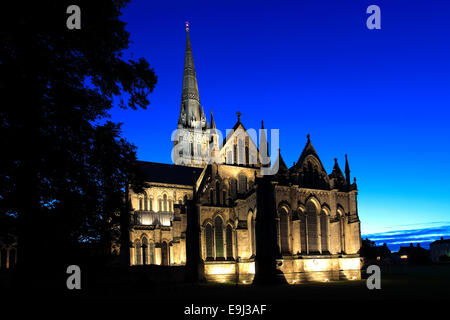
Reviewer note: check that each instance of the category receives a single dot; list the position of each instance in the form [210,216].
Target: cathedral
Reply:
[224,206]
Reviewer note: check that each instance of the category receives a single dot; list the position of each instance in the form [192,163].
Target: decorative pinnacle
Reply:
[308,136]
[239,116]
[335,160]
[187,26]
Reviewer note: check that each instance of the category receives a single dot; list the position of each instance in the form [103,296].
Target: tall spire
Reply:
[263,147]
[347,171]
[190,110]
[213,123]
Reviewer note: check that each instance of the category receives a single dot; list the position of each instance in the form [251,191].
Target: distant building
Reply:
[440,249]
[414,255]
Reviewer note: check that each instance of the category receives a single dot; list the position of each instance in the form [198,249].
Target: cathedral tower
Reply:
[191,143]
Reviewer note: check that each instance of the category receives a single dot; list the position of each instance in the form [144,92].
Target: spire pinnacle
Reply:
[239,116]
[190,110]
[347,171]
[213,123]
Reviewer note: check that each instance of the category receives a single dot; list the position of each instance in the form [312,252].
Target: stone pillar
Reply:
[267,249]
[195,269]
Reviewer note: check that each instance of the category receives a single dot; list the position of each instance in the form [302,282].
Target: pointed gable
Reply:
[239,147]
[309,169]
[279,166]
[337,178]
[280,170]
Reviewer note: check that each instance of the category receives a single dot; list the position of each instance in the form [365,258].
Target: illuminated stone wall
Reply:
[162,224]
[318,231]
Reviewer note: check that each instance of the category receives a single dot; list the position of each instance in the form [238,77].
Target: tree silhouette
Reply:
[64,168]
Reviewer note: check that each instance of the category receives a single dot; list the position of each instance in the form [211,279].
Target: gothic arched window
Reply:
[229,237]
[218,230]
[324,231]
[151,254]
[313,230]
[140,204]
[144,250]
[137,251]
[284,231]
[233,188]
[303,234]
[247,156]
[251,232]
[165,254]
[241,151]
[145,202]
[242,183]
[165,202]
[209,241]
[217,192]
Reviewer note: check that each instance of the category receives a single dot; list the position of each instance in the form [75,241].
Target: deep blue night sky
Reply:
[381,96]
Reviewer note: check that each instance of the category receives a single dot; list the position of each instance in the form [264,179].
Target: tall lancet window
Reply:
[144,250]
[324,231]
[247,156]
[152,253]
[303,233]
[229,237]
[217,192]
[145,202]
[165,203]
[209,242]
[242,183]
[218,230]
[284,231]
[137,251]
[241,151]
[313,232]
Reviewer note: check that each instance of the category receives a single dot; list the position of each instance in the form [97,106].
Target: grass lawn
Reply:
[398,283]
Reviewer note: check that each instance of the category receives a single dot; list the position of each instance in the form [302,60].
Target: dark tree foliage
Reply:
[368,249]
[64,169]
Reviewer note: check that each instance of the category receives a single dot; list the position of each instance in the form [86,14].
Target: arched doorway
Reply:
[164,254]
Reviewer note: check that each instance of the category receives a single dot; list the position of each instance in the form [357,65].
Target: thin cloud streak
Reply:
[423,234]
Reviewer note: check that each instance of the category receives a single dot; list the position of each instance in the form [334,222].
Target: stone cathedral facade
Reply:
[315,215]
